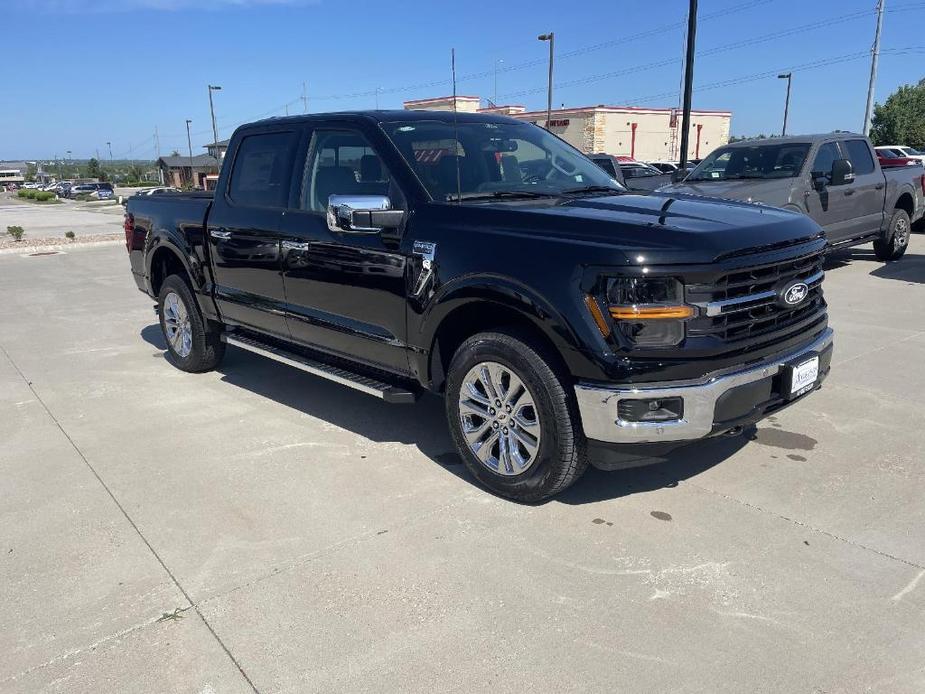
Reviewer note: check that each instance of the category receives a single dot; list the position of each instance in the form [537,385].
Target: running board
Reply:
[365,384]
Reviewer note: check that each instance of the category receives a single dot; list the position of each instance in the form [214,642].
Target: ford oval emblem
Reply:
[794,294]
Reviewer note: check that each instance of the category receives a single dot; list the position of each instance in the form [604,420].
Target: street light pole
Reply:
[213,88]
[875,56]
[68,161]
[787,76]
[551,37]
[189,142]
[495,100]
[688,82]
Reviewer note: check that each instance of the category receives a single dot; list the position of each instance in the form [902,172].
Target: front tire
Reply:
[513,419]
[897,239]
[193,343]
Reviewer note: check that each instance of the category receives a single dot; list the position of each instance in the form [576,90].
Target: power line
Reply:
[813,65]
[839,19]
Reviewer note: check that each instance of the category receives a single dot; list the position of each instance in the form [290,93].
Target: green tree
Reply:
[31,170]
[900,120]
[94,170]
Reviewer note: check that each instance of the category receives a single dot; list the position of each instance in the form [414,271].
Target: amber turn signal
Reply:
[650,312]
[597,315]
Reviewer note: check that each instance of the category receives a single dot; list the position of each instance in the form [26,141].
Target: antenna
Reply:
[455,128]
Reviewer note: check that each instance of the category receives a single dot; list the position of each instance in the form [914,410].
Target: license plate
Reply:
[804,377]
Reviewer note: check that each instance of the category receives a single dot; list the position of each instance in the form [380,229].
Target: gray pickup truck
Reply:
[835,179]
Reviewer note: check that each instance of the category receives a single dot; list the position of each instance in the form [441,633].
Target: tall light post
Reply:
[68,161]
[551,37]
[189,142]
[213,88]
[495,100]
[874,57]
[688,81]
[785,76]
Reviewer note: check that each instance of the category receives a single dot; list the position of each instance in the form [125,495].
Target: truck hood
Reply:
[774,191]
[666,228]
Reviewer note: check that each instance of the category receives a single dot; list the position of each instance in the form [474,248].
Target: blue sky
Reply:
[113,70]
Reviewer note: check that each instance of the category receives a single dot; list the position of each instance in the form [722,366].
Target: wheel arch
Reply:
[165,260]
[906,203]
[480,308]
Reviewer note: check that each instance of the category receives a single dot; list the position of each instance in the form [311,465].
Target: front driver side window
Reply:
[341,162]
[825,157]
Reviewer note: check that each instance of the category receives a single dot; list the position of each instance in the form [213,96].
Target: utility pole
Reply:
[875,56]
[786,76]
[189,142]
[304,99]
[688,82]
[551,37]
[157,153]
[213,88]
[68,161]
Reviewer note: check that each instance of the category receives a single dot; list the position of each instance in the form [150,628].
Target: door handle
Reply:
[220,233]
[879,186]
[849,192]
[296,245]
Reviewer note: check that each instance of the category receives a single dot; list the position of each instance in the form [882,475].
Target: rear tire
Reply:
[193,343]
[513,419]
[897,237]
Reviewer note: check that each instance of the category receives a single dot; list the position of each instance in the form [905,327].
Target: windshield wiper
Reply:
[591,189]
[496,194]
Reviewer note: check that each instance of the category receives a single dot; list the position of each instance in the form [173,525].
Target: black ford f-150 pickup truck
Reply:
[563,318]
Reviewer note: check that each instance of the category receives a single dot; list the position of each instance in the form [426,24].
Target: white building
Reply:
[646,134]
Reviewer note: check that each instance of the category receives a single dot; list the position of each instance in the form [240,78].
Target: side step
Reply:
[365,384]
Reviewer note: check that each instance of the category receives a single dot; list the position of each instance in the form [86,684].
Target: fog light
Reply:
[650,409]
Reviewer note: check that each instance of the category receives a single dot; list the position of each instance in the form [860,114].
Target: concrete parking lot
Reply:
[256,528]
[53,220]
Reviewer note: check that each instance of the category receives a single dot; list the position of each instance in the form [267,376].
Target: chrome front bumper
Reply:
[598,403]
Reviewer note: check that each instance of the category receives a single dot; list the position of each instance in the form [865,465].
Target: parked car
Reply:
[833,178]
[92,189]
[664,166]
[888,158]
[901,151]
[157,190]
[562,317]
[632,174]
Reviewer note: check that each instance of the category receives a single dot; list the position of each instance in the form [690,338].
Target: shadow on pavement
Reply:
[909,268]
[423,425]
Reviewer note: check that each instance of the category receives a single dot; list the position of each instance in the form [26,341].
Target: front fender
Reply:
[559,319]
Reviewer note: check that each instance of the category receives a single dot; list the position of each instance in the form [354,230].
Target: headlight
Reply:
[649,311]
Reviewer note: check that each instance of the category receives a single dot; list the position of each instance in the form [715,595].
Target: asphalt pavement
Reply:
[255,528]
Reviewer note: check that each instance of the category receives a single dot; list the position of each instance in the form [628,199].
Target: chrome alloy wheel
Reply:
[900,234]
[177,325]
[499,418]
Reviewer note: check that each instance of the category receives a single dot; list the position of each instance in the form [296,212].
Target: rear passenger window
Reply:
[825,157]
[260,177]
[859,156]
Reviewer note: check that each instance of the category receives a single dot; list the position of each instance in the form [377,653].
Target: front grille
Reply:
[743,304]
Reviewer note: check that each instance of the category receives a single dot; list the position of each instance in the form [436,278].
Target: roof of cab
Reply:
[392,116]
[794,139]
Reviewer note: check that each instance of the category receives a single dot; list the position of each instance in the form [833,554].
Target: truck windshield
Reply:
[758,161]
[486,160]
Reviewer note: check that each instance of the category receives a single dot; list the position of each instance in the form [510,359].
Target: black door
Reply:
[244,233]
[345,292]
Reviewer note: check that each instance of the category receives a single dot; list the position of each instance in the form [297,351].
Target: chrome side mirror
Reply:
[362,214]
